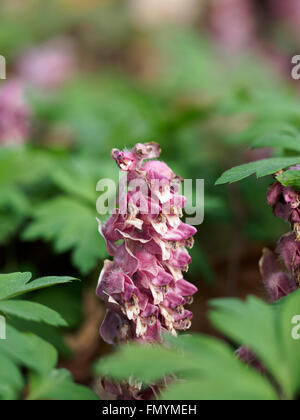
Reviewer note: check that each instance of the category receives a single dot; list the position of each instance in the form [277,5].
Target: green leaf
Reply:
[194,358]
[260,168]
[130,361]
[32,311]
[58,385]
[71,225]
[290,178]
[253,324]
[48,333]
[7,393]
[15,284]
[29,350]
[11,380]
[215,356]
[210,389]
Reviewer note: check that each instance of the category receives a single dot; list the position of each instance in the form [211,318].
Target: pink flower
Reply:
[280,271]
[49,65]
[143,287]
[281,275]
[14,113]
[285,202]
[279,281]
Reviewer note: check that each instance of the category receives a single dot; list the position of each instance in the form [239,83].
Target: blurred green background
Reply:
[203,78]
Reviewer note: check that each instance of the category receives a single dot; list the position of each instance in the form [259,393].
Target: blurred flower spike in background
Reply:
[49,65]
[14,113]
[233,23]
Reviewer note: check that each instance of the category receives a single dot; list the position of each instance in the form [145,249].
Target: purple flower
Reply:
[278,281]
[14,113]
[143,287]
[285,202]
[281,273]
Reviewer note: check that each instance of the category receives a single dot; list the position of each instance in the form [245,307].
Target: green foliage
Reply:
[15,284]
[32,311]
[207,368]
[109,111]
[58,385]
[261,168]
[20,170]
[27,350]
[290,178]
[69,220]
[72,226]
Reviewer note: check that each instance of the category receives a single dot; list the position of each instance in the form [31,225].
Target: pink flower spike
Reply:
[144,284]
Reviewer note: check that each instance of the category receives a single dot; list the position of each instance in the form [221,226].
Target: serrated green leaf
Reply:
[195,359]
[130,361]
[58,385]
[29,350]
[290,178]
[260,168]
[71,225]
[32,311]
[233,389]
[215,356]
[244,323]
[12,284]
[15,284]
